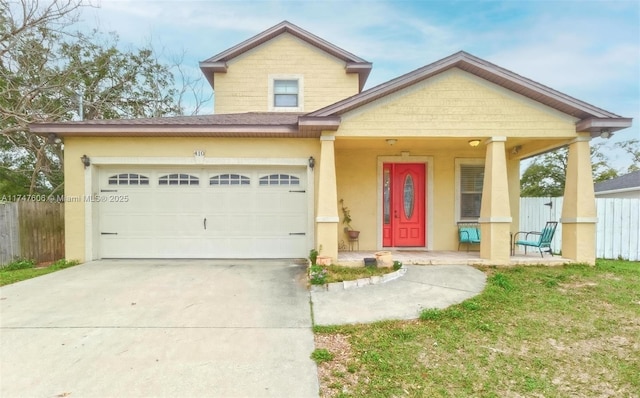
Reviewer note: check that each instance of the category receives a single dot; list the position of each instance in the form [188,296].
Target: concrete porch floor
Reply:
[424,257]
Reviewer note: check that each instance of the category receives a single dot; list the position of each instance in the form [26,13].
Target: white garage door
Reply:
[203,213]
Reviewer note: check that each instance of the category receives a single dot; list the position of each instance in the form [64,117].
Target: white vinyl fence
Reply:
[617,230]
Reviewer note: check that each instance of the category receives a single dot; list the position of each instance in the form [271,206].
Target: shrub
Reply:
[317,275]
[313,256]
[18,264]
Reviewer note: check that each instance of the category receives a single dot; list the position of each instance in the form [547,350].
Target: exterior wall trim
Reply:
[189,161]
[507,220]
[90,227]
[327,219]
[581,138]
[496,139]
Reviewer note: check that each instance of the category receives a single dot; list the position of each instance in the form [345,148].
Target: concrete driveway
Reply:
[161,328]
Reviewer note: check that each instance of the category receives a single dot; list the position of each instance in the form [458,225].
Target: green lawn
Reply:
[24,269]
[534,331]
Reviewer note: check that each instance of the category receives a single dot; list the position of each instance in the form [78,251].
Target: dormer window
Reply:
[285,93]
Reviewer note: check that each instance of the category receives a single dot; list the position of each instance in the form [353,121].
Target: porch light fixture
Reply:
[391,141]
[312,162]
[605,133]
[474,143]
[53,138]
[85,161]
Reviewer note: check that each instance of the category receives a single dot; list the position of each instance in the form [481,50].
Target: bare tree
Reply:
[44,65]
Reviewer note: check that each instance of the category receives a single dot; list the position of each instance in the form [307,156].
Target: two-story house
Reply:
[294,133]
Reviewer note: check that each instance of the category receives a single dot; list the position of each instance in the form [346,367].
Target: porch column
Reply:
[327,212]
[579,207]
[495,213]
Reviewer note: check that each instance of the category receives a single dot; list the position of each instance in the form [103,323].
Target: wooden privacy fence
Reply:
[31,230]
[617,230]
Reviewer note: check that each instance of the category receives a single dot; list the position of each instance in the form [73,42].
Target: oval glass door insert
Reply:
[408,196]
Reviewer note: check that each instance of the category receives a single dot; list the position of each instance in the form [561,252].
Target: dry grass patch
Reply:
[338,375]
[338,273]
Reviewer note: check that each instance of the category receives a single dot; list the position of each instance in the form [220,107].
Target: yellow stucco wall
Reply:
[245,85]
[143,147]
[433,119]
[456,104]
[358,184]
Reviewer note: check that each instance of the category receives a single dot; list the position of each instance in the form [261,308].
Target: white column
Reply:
[495,212]
[327,206]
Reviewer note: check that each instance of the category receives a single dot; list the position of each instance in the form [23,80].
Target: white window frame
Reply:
[458,192]
[300,79]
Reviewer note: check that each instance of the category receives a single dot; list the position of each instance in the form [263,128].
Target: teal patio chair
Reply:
[469,233]
[543,240]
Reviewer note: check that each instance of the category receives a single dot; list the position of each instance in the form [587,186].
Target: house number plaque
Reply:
[199,156]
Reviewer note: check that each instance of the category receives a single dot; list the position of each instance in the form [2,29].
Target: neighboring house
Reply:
[625,186]
[294,133]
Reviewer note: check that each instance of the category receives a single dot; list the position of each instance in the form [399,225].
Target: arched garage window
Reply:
[178,179]
[128,179]
[229,179]
[279,179]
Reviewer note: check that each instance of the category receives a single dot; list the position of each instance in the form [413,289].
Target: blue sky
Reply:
[587,49]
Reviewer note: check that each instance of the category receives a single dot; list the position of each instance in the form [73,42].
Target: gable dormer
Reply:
[283,69]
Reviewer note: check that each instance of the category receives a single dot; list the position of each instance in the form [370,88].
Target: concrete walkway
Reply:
[435,286]
[191,328]
[161,328]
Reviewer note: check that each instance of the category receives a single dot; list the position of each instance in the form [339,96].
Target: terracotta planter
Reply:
[384,259]
[323,260]
[353,234]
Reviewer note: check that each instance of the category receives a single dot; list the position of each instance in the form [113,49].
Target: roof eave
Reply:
[363,69]
[210,68]
[596,126]
[132,130]
[329,123]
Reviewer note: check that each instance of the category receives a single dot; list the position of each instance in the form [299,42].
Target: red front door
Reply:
[403,204]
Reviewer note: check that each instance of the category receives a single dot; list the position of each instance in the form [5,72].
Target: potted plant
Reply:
[313,256]
[346,220]
[317,259]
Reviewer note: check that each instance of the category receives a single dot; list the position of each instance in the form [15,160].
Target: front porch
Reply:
[444,257]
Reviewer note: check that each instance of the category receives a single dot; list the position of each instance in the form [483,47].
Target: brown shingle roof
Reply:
[249,118]
[251,124]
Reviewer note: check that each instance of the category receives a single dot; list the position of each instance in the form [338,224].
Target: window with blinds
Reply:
[285,93]
[471,181]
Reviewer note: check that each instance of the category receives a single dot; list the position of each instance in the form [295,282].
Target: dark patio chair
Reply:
[540,240]
[469,233]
